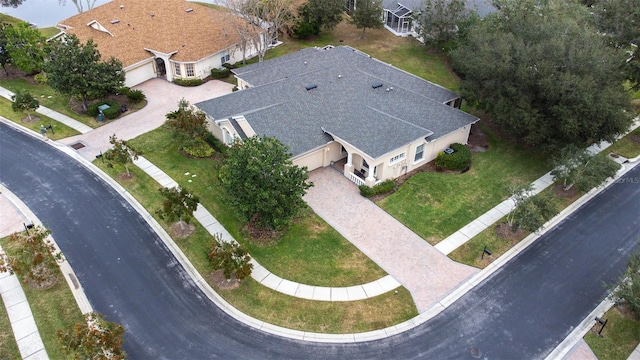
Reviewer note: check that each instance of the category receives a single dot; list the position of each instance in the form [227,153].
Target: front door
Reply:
[161,70]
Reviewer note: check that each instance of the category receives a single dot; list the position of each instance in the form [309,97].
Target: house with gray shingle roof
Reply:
[337,104]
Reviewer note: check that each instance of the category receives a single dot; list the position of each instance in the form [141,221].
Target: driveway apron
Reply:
[427,273]
[162,98]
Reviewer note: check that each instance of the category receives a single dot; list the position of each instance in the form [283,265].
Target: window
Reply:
[176,67]
[396,159]
[190,70]
[419,153]
[228,138]
[224,58]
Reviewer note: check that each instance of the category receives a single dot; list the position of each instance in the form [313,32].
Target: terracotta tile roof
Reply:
[160,25]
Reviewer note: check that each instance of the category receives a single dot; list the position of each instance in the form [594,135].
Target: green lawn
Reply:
[619,337]
[53,309]
[61,130]
[627,146]
[331,261]
[8,346]
[435,205]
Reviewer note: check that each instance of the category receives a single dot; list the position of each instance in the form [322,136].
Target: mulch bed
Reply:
[125,176]
[503,230]
[559,190]
[14,73]
[34,119]
[219,282]
[635,137]
[49,277]
[182,230]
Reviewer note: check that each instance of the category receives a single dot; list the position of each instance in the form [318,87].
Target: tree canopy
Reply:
[230,257]
[579,168]
[178,204]
[368,15]
[27,47]
[187,123]
[322,13]
[545,74]
[121,152]
[76,69]
[5,58]
[263,183]
[439,20]
[627,289]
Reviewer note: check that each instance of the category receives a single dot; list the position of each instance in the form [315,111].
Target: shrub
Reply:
[216,143]
[459,160]
[113,110]
[188,82]
[220,73]
[234,89]
[382,188]
[135,96]
[229,66]
[305,29]
[40,78]
[199,148]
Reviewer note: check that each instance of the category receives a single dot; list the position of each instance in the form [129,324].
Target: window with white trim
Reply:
[228,138]
[396,159]
[190,70]
[224,58]
[176,69]
[419,153]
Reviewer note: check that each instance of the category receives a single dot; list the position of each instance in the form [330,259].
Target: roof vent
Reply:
[189,10]
[376,85]
[339,76]
[311,86]
[115,21]
[121,6]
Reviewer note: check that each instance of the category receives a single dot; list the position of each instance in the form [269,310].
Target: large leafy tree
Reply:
[530,212]
[544,73]
[37,259]
[368,15]
[322,13]
[5,58]
[26,46]
[187,123]
[620,21]
[439,20]
[93,338]
[263,183]
[76,69]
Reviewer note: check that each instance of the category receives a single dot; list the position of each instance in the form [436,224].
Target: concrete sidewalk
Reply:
[25,330]
[264,276]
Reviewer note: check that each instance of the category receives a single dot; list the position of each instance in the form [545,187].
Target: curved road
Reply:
[522,311]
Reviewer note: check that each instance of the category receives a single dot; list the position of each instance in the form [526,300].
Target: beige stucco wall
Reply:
[321,157]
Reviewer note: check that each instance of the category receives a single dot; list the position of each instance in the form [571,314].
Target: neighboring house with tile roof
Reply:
[168,38]
[337,104]
[399,15]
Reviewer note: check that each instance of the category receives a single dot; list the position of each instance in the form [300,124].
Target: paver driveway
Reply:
[427,273]
[162,97]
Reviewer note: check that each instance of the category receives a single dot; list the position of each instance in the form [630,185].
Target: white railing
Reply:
[356,179]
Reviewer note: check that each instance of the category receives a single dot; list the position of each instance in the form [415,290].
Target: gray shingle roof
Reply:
[344,103]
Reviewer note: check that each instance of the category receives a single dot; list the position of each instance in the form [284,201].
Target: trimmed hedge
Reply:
[188,82]
[111,113]
[220,73]
[459,160]
[382,188]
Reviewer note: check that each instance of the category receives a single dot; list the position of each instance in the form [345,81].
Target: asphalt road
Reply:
[522,311]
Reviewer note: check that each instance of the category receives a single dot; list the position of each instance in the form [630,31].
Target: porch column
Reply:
[348,167]
[370,180]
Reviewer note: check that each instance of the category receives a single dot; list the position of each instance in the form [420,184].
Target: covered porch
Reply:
[355,168]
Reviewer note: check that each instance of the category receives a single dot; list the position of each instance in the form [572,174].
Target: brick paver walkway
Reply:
[427,273]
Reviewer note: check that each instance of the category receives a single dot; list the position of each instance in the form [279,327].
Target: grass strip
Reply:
[628,146]
[619,338]
[61,130]
[53,309]
[273,307]
[8,345]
